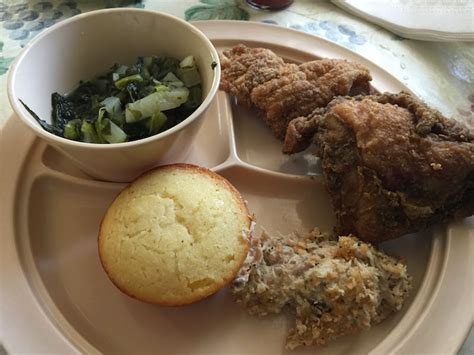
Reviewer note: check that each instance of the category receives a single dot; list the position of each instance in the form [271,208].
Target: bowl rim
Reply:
[21,111]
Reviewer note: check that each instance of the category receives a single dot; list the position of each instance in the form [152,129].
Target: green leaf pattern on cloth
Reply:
[216,9]
[4,61]
[4,64]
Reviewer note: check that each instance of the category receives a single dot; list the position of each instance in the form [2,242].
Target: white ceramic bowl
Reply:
[89,44]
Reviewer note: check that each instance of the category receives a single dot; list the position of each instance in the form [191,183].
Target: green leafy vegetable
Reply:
[72,129]
[188,72]
[156,122]
[109,131]
[194,98]
[121,83]
[46,126]
[187,62]
[89,135]
[127,103]
[161,100]
[63,110]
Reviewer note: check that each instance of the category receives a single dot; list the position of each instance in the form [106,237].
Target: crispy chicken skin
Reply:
[282,91]
[392,165]
[244,68]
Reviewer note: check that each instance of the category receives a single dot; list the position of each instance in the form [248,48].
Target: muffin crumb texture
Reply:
[175,235]
[332,285]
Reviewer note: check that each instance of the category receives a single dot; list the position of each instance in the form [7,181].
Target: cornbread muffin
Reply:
[175,235]
[333,285]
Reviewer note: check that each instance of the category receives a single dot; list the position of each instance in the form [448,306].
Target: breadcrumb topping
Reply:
[333,285]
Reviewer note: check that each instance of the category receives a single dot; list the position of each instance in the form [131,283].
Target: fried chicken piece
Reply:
[244,68]
[392,164]
[282,91]
[301,130]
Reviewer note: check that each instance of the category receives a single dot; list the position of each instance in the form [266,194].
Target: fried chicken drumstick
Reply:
[392,165]
[283,91]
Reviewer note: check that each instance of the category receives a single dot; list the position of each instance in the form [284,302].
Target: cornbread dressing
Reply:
[333,285]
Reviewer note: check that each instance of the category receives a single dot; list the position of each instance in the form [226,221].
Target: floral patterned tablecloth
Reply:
[442,74]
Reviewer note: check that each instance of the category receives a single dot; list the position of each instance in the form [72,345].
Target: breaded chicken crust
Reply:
[392,165]
[282,91]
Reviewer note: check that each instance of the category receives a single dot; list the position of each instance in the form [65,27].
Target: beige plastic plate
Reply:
[55,297]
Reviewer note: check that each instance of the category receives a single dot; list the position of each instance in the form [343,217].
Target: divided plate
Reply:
[56,298]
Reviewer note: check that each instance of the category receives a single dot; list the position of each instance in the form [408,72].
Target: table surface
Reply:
[442,74]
